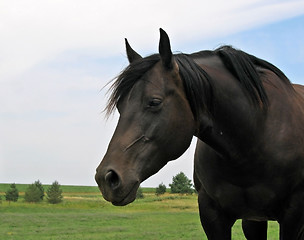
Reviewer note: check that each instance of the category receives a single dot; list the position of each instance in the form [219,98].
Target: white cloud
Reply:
[34,31]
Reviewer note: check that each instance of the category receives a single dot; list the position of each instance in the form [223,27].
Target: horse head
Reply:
[156,123]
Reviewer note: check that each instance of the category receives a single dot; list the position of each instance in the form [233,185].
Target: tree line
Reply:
[35,193]
[180,184]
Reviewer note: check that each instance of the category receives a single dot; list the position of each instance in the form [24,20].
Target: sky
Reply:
[57,56]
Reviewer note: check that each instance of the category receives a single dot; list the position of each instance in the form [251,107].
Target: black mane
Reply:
[244,67]
[197,83]
[126,80]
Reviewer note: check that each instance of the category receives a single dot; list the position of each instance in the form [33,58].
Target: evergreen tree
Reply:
[54,193]
[32,193]
[161,189]
[139,193]
[12,194]
[181,184]
[40,187]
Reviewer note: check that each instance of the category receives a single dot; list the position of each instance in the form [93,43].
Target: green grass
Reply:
[84,214]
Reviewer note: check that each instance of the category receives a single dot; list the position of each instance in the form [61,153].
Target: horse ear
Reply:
[132,55]
[165,49]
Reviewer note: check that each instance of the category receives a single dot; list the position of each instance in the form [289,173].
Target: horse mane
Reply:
[197,83]
[244,67]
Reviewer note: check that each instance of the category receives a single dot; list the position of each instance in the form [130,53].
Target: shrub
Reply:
[181,184]
[32,193]
[54,193]
[12,194]
[161,189]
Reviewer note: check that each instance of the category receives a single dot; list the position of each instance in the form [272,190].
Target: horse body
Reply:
[248,118]
[258,163]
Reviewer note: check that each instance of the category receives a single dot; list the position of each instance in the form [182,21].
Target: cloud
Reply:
[35,31]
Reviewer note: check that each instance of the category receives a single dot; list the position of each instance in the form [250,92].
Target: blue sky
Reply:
[57,56]
[280,43]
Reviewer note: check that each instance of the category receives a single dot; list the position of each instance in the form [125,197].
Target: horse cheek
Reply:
[181,133]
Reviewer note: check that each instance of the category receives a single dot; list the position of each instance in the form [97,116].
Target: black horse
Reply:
[249,121]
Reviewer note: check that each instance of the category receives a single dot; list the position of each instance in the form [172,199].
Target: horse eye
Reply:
[155,102]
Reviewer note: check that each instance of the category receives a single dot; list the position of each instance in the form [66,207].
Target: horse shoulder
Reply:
[238,191]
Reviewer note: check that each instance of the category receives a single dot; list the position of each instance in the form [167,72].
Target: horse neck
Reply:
[234,124]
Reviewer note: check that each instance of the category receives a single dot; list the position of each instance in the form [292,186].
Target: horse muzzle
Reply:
[114,188]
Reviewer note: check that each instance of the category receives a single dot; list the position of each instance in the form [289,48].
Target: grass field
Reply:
[84,214]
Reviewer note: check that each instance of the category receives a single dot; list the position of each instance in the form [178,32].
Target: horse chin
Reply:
[124,202]
[128,198]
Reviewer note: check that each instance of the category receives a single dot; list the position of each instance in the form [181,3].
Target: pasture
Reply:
[84,214]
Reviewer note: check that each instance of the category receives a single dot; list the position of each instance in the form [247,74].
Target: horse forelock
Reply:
[123,83]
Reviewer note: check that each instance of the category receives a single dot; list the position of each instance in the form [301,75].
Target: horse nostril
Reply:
[112,179]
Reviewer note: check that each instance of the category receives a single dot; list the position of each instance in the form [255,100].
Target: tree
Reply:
[139,193]
[181,184]
[161,189]
[54,193]
[12,194]
[41,189]
[32,193]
